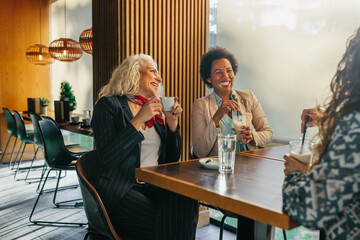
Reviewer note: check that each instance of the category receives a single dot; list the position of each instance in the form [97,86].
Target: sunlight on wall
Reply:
[288,52]
[79,73]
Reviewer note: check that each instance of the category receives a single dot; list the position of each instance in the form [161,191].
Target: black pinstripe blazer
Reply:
[118,145]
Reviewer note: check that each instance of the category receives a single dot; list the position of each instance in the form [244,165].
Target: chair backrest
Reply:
[56,154]
[10,122]
[192,154]
[20,127]
[37,135]
[96,213]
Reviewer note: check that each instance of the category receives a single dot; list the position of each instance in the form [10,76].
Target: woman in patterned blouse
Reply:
[327,197]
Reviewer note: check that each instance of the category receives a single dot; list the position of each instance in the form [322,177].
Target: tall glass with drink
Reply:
[239,121]
[226,151]
[301,151]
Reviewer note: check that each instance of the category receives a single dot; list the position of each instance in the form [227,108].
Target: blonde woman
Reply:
[130,132]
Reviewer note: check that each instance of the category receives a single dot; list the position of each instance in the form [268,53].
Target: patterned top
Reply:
[328,197]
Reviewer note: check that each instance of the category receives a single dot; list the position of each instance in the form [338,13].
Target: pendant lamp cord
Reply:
[40,21]
[65,16]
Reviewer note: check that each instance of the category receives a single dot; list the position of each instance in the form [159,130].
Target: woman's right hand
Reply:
[225,107]
[151,108]
[313,117]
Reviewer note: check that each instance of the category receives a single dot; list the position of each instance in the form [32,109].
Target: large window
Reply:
[288,51]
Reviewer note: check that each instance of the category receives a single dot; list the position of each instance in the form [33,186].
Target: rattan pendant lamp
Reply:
[65,49]
[86,40]
[38,54]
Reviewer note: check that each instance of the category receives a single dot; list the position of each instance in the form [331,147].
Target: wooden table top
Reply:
[253,191]
[274,153]
[76,128]
[65,125]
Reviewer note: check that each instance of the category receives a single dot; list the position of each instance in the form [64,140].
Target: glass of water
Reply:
[226,151]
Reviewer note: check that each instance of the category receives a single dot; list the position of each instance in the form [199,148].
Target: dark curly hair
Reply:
[214,54]
[345,88]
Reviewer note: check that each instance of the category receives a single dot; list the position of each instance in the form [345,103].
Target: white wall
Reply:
[288,51]
[79,73]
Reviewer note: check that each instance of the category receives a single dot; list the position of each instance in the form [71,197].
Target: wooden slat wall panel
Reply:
[173,32]
[106,44]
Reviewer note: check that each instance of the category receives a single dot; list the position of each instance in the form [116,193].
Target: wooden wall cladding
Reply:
[105,17]
[20,79]
[20,26]
[175,34]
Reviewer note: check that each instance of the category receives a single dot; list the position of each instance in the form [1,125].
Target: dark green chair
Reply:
[98,219]
[35,118]
[58,158]
[12,130]
[26,139]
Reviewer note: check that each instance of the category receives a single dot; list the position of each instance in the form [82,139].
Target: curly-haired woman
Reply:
[328,196]
[212,114]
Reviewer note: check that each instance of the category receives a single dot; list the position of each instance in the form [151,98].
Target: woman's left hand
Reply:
[246,134]
[293,165]
[173,115]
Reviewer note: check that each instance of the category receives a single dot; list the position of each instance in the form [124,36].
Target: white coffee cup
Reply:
[86,121]
[167,103]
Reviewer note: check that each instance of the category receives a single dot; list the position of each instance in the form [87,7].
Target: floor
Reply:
[17,199]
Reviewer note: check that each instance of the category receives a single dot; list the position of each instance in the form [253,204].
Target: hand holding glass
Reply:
[300,152]
[239,121]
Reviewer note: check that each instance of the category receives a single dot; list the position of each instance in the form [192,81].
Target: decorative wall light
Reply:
[38,54]
[86,40]
[65,49]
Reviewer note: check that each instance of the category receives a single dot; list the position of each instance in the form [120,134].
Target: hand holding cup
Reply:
[242,130]
[171,107]
[299,158]
[293,165]
[172,110]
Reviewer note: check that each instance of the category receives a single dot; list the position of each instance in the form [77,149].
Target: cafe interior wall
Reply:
[20,79]
[288,52]
[78,73]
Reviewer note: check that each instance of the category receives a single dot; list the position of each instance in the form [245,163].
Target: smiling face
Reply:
[149,81]
[222,76]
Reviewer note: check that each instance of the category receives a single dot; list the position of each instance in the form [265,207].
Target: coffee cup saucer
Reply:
[83,125]
[210,163]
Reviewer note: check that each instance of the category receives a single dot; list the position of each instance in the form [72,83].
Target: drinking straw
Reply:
[237,112]
[305,127]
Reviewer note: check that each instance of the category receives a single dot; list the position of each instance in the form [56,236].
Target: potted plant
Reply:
[44,102]
[67,94]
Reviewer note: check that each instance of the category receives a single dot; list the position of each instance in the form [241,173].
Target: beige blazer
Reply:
[204,131]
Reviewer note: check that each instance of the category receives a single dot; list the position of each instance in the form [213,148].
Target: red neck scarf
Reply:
[140,100]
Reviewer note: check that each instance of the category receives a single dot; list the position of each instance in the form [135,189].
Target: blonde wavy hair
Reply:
[125,78]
